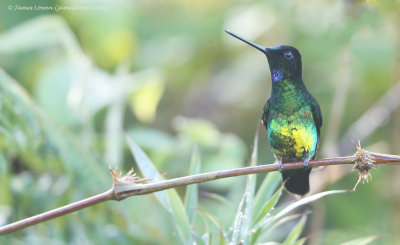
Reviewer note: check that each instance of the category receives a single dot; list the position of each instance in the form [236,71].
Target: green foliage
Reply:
[169,199]
[361,241]
[73,82]
[191,196]
[243,230]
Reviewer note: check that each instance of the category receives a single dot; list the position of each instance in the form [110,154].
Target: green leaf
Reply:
[244,214]
[272,221]
[149,171]
[254,153]
[207,216]
[283,221]
[263,215]
[179,214]
[169,199]
[250,189]
[206,228]
[237,224]
[263,200]
[42,143]
[361,241]
[301,241]
[268,206]
[267,188]
[214,220]
[295,232]
[304,201]
[191,196]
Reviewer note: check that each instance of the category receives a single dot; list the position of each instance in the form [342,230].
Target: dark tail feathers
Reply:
[297,181]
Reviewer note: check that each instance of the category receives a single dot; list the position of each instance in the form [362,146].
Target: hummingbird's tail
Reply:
[297,181]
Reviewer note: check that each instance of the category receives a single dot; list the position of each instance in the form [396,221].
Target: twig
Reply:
[57,212]
[130,185]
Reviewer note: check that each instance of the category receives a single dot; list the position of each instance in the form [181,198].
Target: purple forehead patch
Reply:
[277,75]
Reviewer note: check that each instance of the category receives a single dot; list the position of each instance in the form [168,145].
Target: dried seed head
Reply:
[363,163]
[128,178]
[123,181]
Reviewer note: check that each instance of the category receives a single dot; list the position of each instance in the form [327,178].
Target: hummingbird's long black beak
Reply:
[262,49]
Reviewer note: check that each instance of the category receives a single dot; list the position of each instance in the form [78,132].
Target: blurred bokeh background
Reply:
[74,80]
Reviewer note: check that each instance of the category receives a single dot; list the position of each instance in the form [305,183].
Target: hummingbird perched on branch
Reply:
[291,115]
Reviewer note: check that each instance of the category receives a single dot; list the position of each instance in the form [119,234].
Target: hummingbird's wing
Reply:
[265,114]
[317,115]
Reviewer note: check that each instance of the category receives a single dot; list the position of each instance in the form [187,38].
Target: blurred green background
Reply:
[73,81]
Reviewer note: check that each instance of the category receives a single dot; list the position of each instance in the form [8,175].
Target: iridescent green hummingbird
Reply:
[291,115]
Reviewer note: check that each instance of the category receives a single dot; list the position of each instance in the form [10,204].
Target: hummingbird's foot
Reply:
[280,165]
[306,162]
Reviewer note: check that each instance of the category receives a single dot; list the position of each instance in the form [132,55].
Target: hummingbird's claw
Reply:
[306,162]
[280,165]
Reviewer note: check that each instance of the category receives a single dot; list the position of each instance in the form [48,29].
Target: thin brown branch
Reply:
[127,190]
[130,185]
[57,212]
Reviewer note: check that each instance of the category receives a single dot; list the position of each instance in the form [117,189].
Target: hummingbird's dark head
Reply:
[284,61]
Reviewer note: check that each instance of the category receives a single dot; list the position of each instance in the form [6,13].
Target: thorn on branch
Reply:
[364,161]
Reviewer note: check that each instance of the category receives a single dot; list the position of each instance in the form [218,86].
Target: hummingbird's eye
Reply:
[288,55]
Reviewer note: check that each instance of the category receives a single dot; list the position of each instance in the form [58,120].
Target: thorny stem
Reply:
[122,190]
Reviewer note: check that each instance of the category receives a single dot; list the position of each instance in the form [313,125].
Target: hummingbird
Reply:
[291,115]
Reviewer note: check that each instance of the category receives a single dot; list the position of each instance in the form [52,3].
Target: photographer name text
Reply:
[16,8]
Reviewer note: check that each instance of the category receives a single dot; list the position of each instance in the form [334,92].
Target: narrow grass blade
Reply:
[276,218]
[179,213]
[305,201]
[215,222]
[268,206]
[268,224]
[284,220]
[301,241]
[237,224]
[262,199]
[267,188]
[295,232]
[149,171]
[206,237]
[243,218]
[254,153]
[169,198]
[191,196]
[361,241]
[250,189]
